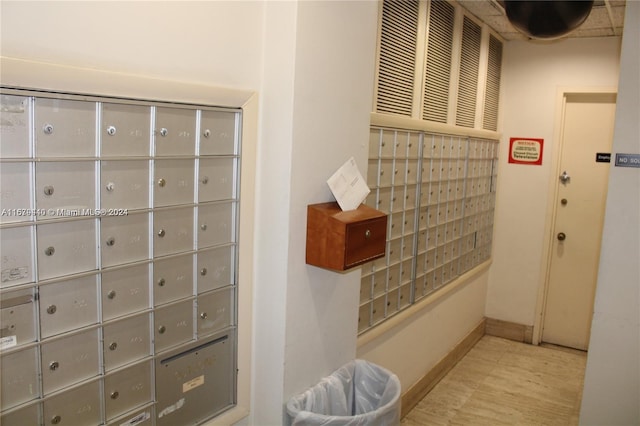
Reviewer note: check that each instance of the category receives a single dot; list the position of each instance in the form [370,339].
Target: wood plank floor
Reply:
[502,382]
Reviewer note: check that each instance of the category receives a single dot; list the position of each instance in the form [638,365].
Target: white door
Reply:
[587,130]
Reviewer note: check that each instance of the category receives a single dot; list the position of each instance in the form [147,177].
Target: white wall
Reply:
[533,74]
[334,71]
[273,196]
[207,42]
[612,381]
[319,64]
[413,347]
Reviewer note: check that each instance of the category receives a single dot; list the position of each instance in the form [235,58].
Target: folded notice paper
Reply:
[348,186]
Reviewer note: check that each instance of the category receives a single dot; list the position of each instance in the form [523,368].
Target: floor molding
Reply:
[509,330]
[421,388]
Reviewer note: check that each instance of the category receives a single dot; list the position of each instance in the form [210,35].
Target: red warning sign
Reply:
[525,151]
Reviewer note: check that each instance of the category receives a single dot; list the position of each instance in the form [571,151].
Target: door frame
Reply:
[554,170]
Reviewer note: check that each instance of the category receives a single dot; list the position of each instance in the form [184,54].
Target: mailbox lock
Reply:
[162,329]
[164,132]
[48,190]
[111,130]
[54,366]
[113,346]
[161,233]
[49,251]
[161,282]
[111,241]
[203,271]
[161,183]
[203,315]
[55,420]
[47,129]
[111,294]
[111,186]
[52,309]
[204,180]
[207,133]
[115,395]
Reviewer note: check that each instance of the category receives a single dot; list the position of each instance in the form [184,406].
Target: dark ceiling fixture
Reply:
[547,19]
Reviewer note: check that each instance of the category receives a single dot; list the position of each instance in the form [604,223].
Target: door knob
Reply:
[562,236]
[564,177]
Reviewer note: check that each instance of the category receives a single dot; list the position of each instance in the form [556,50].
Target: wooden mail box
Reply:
[340,240]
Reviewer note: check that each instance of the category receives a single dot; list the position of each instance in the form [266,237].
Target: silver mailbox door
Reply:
[172,279]
[141,417]
[26,415]
[65,188]
[125,291]
[125,130]
[66,248]
[215,311]
[127,389]
[17,261]
[215,268]
[172,231]
[218,133]
[77,406]
[17,318]
[216,179]
[68,305]
[69,360]
[175,131]
[126,341]
[124,184]
[124,239]
[14,126]
[173,182]
[19,378]
[215,224]
[173,324]
[15,181]
[196,381]
[65,128]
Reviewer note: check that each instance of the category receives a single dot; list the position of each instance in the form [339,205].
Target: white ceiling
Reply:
[605,20]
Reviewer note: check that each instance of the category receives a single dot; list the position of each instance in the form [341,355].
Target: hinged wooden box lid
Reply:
[340,240]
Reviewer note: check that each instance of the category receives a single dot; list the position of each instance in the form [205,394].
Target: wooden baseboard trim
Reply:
[509,330]
[421,388]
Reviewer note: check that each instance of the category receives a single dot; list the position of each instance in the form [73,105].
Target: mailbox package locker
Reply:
[118,290]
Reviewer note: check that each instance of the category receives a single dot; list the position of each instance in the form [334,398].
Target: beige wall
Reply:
[534,73]
[612,380]
[533,76]
[418,341]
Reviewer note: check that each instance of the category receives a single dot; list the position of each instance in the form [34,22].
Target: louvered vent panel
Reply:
[397,57]
[492,93]
[438,66]
[469,65]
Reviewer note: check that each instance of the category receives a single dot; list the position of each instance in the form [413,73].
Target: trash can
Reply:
[358,393]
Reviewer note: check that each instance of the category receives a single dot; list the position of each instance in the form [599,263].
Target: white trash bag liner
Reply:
[359,393]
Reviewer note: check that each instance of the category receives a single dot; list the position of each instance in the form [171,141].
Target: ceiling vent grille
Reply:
[438,63]
[398,44]
[469,66]
[492,91]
